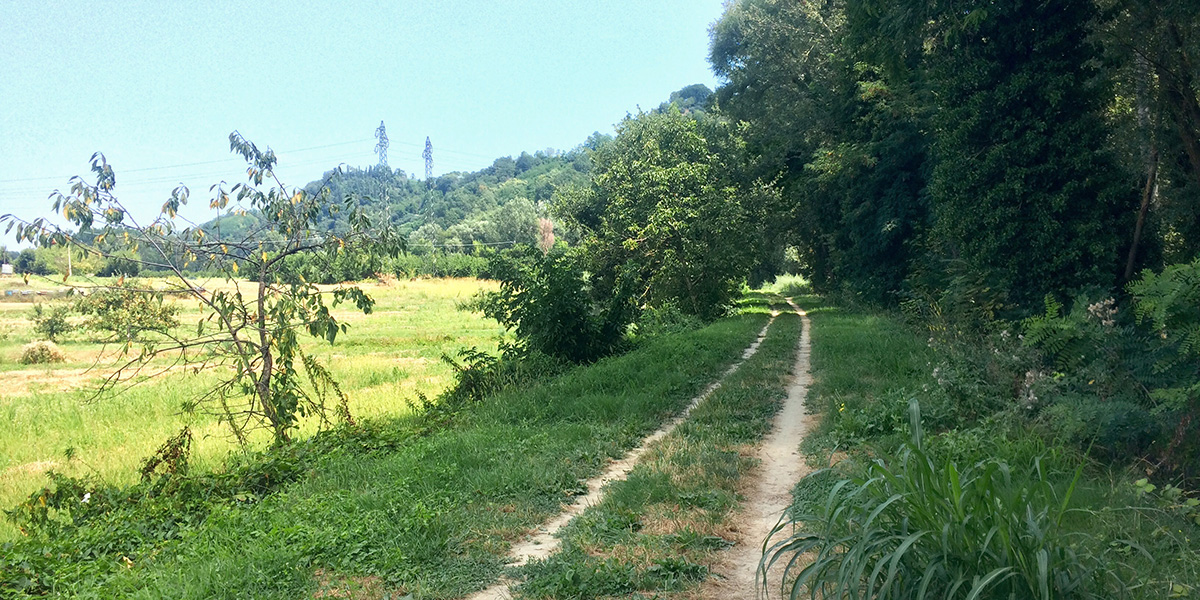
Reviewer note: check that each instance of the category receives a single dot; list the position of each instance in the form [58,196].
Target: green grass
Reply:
[381,362]
[657,531]
[865,367]
[435,515]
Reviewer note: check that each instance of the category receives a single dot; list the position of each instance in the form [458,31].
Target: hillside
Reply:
[496,206]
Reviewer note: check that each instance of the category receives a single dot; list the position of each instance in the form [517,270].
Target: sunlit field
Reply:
[382,362]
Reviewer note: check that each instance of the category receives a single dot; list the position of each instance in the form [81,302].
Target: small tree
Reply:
[50,323]
[251,328]
[545,301]
[126,312]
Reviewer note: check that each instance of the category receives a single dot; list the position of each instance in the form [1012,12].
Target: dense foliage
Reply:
[918,143]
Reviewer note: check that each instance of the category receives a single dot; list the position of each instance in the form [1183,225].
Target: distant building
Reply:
[6,269]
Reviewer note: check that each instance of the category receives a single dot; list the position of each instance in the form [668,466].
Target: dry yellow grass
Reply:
[382,362]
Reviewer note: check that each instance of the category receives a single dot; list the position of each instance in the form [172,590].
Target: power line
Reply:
[135,183]
[193,164]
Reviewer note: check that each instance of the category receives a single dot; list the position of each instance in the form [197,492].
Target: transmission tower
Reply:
[428,154]
[382,146]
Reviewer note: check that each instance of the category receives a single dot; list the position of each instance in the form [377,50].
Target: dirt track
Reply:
[543,542]
[767,491]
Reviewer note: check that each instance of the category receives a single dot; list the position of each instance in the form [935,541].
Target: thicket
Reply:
[1017,478]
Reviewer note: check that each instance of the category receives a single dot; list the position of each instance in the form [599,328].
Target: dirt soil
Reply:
[768,492]
[542,542]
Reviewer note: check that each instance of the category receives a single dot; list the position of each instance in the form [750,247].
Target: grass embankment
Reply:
[433,515]
[384,359]
[866,368]
[658,531]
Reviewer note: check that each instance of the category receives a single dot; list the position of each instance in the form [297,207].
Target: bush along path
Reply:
[661,531]
[544,542]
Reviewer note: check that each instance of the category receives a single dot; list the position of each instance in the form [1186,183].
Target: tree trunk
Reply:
[1147,194]
[263,383]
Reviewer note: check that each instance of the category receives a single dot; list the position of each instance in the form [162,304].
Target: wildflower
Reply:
[1104,311]
[86,497]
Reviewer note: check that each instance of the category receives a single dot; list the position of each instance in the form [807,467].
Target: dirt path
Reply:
[767,490]
[543,543]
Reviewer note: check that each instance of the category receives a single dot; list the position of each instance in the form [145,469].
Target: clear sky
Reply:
[157,86]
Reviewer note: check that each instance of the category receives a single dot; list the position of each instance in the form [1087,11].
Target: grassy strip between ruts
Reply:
[866,367]
[433,517]
[656,532]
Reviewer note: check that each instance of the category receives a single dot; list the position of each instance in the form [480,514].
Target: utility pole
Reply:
[382,146]
[428,154]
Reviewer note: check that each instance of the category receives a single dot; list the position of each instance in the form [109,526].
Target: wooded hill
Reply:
[498,206]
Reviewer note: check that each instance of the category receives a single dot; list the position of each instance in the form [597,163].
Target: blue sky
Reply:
[158,86]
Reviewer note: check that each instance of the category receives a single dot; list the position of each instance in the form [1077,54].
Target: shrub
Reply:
[922,528]
[41,353]
[480,375]
[52,323]
[545,301]
[126,312]
[1114,430]
[1170,302]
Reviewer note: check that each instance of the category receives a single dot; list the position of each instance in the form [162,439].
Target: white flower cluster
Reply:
[1104,311]
[1028,396]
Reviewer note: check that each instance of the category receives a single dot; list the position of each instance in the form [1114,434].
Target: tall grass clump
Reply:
[920,528]
[791,285]
[41,353]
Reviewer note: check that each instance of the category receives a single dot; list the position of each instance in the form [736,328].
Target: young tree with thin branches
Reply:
[249,332]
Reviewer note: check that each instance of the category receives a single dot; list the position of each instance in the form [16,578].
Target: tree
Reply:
[1152,57]
[664,207]
[126,312]
[251,328]
[843,138]
[31,262]
[1023,188]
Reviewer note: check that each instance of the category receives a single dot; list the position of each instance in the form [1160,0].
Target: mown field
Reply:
[46,411]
